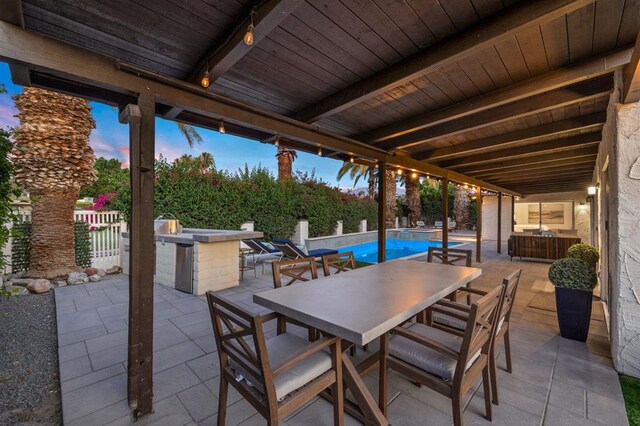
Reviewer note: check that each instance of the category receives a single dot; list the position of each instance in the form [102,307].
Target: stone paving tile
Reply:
[206,343]
[78,320]
[557,416]
[167,412]
[75,368]
[199,401]
[206,366]
[90,378]
[101,343]
[80,335]
[166,336]
[175,355]
[107,357]
[606,410]
[94,397]
[102,417]
[73,351]
[172,381]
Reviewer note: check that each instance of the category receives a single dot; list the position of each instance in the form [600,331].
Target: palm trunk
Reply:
[52,251]
[412,186]
[285,164]
[461,207]
[372,185]
[390,213]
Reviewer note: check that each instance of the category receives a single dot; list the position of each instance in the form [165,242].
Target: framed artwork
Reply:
[533,213]
[553,213]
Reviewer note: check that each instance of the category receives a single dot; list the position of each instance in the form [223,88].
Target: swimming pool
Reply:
[368,252]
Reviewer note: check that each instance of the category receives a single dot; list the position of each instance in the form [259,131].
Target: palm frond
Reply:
[190,134]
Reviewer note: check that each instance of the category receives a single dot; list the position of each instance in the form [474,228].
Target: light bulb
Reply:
[320,152]
[205,79]
[400,171]
[351,160]
[248,37]
[414,175]
[221,128]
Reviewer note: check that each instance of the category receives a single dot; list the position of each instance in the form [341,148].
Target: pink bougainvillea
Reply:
[102,201]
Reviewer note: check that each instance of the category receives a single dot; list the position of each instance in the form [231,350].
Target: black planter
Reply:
[574,313]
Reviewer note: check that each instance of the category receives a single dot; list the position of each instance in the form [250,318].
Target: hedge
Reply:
[21,247]
[221,200]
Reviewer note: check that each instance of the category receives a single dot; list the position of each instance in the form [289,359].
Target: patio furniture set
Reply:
[411,308]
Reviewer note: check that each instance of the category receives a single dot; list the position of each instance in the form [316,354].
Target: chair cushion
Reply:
[280,348]
[456,323]
[424,357]
[321,252]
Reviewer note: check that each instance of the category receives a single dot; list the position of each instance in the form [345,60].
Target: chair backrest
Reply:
[450,256]
[241,342]
[511,287]
[480,330]
[341,262]
[255,246]
[288,248]
[294,270]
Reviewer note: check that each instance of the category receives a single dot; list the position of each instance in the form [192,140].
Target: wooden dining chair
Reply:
[448,364]
[452,317]
[276,376]
[453,257]
[289,272]
[341,262]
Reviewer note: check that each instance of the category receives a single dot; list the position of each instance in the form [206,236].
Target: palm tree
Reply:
[461,202]
[190,133]
[53,161]
[285,157]
[412,187]
[356,172]
[205,161]
[390,210]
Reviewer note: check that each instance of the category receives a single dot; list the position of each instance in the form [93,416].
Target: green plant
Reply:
[20,249]
[572,273]
[631,394]
[7,189]
[585,252]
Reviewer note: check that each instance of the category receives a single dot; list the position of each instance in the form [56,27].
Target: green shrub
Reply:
[21,247]
[585,252]
[572,273]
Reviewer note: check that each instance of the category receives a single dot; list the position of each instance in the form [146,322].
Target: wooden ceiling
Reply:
[513,92]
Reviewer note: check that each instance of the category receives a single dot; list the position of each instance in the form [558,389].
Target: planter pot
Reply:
[574,313]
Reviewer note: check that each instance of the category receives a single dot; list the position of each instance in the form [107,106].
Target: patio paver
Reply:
[555,381]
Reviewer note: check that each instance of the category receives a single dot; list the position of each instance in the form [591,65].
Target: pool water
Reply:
[368,252]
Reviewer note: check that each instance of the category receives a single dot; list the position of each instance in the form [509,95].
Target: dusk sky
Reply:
[110,139]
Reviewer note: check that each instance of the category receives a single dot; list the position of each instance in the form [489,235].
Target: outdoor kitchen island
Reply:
[196,260]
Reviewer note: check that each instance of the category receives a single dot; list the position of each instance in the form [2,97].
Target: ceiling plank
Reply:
[542,172]
[553,146]
[589,151]
[631,77]
[560,164]
[558,98]
[47,55]
[588,122]
[11,11]
[490,32]
[590,68]
[558,177]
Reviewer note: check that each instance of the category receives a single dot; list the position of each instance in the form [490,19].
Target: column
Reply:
[499,236]
[445,212]
[479,225]
[382,207]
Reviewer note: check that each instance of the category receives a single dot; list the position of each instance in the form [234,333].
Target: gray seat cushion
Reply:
[449,321]
[424,357]
[280,348]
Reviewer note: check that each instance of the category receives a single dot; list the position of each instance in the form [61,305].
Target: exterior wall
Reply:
[581,209]
[346,240]
[215,266]
[618,230]
[301,233]
[490,218]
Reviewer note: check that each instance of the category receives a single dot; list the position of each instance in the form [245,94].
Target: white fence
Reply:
[106,228]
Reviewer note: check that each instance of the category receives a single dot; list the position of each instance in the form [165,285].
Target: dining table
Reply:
[361,305]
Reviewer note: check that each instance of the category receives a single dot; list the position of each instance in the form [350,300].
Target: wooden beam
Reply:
[589,151]
[553,190]
[141,119]
[222,57]
[553,146]
[479,225]
[513,213]
[539,167]
[550,181]
[575,73]
[631,76]
[382,210]
[445,212]
[489,32]
[44,54]
[593,121]
[11,12]
[569,95]
[540,174]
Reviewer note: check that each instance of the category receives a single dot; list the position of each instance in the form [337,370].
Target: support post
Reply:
[382,209]
[479,225]
[513,213]
[499,222]
[141,120]
[445,212]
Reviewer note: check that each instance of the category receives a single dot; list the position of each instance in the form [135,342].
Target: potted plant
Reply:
[588,254]
[574,280]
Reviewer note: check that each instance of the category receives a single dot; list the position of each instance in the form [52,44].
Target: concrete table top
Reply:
[363,304]
[190,235]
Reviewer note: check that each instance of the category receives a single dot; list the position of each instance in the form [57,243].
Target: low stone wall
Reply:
[346,240]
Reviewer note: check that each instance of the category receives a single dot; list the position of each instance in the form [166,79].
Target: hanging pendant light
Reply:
[320,152]
[205,77]
[221,128]
[277,142]
[248,37]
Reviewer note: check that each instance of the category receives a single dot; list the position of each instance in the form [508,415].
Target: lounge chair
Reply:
[420,224]
[290,250]
[261,251]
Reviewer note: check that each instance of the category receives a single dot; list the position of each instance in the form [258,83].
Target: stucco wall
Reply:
[490,218]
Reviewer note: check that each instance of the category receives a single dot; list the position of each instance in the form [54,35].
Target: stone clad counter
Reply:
[215,257]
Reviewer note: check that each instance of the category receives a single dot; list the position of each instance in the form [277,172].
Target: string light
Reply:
[351,160]
[221,128]
[414,175]
[205,78]
[320,152]
[277,142]
[248,37]
[400,172]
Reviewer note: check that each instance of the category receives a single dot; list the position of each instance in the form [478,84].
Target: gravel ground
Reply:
[29,376]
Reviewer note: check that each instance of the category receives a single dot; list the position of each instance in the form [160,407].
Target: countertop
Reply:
[190,235]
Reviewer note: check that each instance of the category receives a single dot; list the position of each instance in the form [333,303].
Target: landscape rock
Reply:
[102,272]
[39,286]
[90,271]
[19,291]
[113,270]
[94,278]
[22,282]
[77,278]
[16,275]
[61,283]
